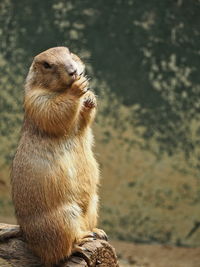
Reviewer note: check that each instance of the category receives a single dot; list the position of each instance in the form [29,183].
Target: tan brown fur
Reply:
[55,175]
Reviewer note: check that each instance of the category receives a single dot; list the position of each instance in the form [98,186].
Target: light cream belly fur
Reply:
[60,211]
[39,178]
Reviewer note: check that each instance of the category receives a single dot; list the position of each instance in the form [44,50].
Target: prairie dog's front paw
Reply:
[79,87]
[90,100]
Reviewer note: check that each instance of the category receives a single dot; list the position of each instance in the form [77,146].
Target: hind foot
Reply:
[100,234]
[85,237]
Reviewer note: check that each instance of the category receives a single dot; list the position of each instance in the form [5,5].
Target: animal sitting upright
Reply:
[54,174]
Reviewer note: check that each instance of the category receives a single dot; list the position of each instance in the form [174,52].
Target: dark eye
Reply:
[46,65]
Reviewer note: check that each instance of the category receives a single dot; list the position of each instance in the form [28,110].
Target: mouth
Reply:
[73,78]
[77,76]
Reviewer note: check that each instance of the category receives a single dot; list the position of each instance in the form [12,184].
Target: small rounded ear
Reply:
[67,49]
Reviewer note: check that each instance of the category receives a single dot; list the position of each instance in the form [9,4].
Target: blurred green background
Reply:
[144,60]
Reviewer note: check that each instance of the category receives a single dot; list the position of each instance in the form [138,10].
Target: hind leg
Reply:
[91,219]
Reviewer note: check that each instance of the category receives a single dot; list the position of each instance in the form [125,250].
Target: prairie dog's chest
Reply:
[74,156]
[78,167]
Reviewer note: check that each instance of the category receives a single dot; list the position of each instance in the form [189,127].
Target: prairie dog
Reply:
[55,176]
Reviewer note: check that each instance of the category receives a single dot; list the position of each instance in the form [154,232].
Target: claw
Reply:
[99,233]
[80,86]
[82,251]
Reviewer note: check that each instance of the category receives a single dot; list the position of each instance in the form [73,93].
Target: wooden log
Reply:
[14,252]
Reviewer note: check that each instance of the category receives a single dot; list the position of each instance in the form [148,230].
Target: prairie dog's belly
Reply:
[50,175]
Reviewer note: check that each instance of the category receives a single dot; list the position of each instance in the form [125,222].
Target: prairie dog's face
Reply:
[54,69]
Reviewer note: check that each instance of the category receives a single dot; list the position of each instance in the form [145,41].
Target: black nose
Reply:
[72,72]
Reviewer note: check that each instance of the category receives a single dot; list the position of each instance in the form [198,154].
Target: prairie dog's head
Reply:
[54,69]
